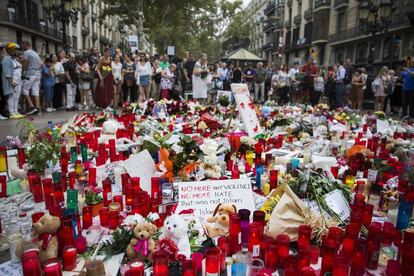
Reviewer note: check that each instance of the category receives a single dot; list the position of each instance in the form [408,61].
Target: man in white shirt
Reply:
[31,79]
[340,87]
[224,74]
[293,83]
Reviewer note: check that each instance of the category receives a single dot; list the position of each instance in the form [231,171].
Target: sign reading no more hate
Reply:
[204,196]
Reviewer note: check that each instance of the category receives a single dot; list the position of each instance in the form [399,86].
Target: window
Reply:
[376,48]
[362,52]
[341,21]
[339,55]
[74,43]
[295,36]
[386,54]
[46,47]
[44,16]
[34,47]
[32,14]
[19,37]
[290,14]
[300,8]
[308,33]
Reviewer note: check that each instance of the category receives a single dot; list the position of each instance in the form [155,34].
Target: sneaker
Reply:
[2,118]
[405,117]
[32,111]
[80,107]
[48,110]
[87,107]
[39,112]
[53,109]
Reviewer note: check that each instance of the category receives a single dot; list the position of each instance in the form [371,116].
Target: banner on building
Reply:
[133,42]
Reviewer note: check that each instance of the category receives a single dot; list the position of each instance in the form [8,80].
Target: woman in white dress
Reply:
[117,73]
[200,75]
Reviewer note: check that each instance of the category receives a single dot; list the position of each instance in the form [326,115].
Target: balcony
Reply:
[28,25]
[308,14]
[297,19]
[94,36]
[288,24]
[104,40]
[280,5]
[85,30]
[319,4]
[84,8]
[268,46]
[340,4]
[289,3]
[94,17]
[271,7]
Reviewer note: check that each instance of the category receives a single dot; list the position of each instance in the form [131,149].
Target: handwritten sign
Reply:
[336,201]
[246,108]
[204,196]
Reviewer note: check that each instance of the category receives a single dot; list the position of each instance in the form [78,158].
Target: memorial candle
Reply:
[270,255]
[52,268]
[21,156]
[234,234]
[341,267]
[188,268]
[107,192]
[329,249]
[86,217]
[212,263]
[31,263]
[113,219]
[359,258]
[255,238]
[69,256]
[3,186]
[136,268]
[37,190]
[283,242]
[244,215]
[92,177]
[104,217]
[3,159]
[304,235]
[273,179]
[119,199]
[160,263]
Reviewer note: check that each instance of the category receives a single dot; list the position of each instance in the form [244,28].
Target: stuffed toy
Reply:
[175,229]
[219,222]
[165,166]
[142,244]
[46,229]
[210,164]
[109,129]
[390,196]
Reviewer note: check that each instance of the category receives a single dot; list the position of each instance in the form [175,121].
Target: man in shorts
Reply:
[31,78]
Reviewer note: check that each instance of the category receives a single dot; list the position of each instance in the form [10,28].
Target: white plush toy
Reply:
[210,165]
[175,229]
[109,129]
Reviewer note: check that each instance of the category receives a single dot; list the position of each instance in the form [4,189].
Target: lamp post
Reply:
[64,11]
[375,17]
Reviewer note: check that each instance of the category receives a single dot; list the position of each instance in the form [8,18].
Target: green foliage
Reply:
[190,153]
[194,25]
[224,100]
[121,238]
[92,198]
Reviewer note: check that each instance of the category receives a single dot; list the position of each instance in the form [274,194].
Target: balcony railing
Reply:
[7,18]
[268,46]
[322,4]
[288,24]
[268,27]
[271,6]
[308,14]
[355,33]
[280,5]
[94,36]
[84,8]
[340,3]
[104,40]
[94,17]
[289,3]
[85,30]
[297,19]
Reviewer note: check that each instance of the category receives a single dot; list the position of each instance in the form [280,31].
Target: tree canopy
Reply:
[196,25]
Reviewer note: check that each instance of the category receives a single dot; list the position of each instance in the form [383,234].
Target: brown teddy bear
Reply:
[142,244]
[220,220]
[46,229]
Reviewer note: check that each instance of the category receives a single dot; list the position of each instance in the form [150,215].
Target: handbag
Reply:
[86,76]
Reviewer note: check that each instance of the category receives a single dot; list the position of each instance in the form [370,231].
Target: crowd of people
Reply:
[31,83]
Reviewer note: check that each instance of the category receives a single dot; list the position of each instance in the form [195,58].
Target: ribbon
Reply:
[142,247]
[45,237]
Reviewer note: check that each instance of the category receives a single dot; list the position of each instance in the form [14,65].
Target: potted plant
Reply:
[94,199]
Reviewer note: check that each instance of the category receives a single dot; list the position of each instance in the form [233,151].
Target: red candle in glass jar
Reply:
[223,245]
[136,268]
[359,258]
[107,192]
[188,269]
[273,179]
[3,186]
[304,256]
[283,242]
[374,245]
[304,235]
[104,216]
[135,181]
[64,163]
[112,151]
[113,219]
[407,255]
[52,268]
[72,180]
[86,217]
[37,190]
[69,258]
[270,255]
[329,249]
[308,271]
[235,174]
[367,216]
[119,199]
[160,263]
[291,272]
[234,234]
[31,263]
[335,171]
[393,268]
[21,156]
[92,177]
[255,238]
[335,233]
[260,217]
[341,267]
[155,189]
[212,264]
[125,181]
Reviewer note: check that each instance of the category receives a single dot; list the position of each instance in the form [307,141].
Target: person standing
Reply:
[48,83]
[269,74]
[3,100]
[318,87]
[408,91]
[357,93]
[224,76]
[143,75]
[31,79]
[237,75]
[330,86]
[93,66]
[71,81]
[380,85]
[189,67]
[259,82]
[84,82]
[58,88]
[129,85]
[117,72]
[293,83]
[12,79]
[167,81]
[396,96]
[200,75]
[282,85]
[248,77]
[164,64]
[350,70]
[311,70]
[105,87]
[340,85]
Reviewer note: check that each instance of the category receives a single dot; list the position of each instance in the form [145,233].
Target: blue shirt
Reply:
[408,79]
[47,80]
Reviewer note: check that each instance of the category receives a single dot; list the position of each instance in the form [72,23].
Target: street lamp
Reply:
[64,11]
[375,16]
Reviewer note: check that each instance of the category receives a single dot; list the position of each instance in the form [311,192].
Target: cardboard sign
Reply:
[336,201]
[246,108]
[204,196]
[143,166]
[226,93]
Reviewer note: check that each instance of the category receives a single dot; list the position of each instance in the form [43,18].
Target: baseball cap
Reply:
[12,45]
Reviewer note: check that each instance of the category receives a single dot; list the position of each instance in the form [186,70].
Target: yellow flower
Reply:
[107,68]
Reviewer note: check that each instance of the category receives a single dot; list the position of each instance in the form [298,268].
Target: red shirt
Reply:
[310,70]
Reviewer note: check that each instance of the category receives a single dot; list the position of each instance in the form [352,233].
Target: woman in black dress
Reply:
[237,73]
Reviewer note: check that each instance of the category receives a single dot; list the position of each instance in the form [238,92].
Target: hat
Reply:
[12,45]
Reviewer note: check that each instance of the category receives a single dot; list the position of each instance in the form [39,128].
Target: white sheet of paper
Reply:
[143,166]
[338,204]
[323,161]
[382,126]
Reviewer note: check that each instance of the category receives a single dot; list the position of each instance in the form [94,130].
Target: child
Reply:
[318,86]
[48,83]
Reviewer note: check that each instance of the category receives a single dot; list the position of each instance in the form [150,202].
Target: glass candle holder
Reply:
[283,242]
[273,179]
[31,263]
[197,260]
[255,238]
[304,257]
[329,249]
[36,185]
[308,271]
[405,211]
[234,234]
[315,253]
[21,157]
[136,268]
[259,216]
[393,268]
[104,216]
[244,215]
[212,263]
[341,267]
[270,255]
[69,256]
[367,216]
[359,258]
[304,235]
[107,192]
[47,190]
[86,217]
[188,268]
[256,266]
[52,268]
[92,177]
[3,186]
[113,219]
[160,263]
[407,255]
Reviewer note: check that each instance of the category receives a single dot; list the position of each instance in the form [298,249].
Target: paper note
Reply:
[338,204]
[204,196]
[382,126]
[372,175]
[143,166]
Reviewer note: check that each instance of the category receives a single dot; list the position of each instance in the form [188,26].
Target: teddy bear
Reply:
[142,244]
[210,164]
[46,229]
[175,229]
[219,222]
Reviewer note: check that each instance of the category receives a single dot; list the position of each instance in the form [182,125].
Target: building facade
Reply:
[255,14]
[274,31]
[29,20]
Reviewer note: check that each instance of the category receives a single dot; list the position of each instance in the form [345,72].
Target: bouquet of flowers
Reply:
[105,71]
